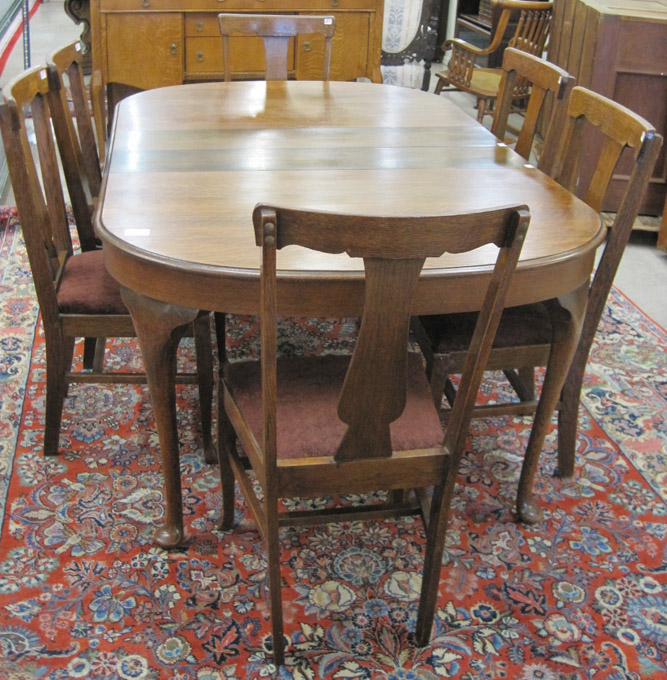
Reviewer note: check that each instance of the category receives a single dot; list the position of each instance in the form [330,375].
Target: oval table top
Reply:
[188,164]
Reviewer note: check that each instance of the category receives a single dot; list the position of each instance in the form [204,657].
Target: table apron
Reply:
[335,295]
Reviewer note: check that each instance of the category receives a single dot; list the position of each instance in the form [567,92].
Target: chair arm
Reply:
[458,44]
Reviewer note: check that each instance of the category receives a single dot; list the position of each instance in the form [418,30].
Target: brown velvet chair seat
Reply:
[317,381]
[87,287]
[525,325]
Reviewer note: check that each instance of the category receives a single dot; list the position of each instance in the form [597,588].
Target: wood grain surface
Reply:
[189,163]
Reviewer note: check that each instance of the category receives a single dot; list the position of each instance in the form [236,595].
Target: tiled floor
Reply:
[643,273]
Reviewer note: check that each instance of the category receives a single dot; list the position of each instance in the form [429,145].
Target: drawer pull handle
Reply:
[199,26]
[146,3]
[200,56]
[306,46]
[334,3]
[173,48]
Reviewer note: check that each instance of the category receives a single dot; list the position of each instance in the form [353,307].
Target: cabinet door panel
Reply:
[349,53]
[145,50]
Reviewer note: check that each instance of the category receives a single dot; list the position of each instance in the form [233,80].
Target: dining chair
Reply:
[528,336]
[311,426]
[534,77]
[530,35]
[77,296]
[277,31]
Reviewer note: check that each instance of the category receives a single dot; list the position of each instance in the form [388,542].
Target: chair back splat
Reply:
[320,425]
[277,31]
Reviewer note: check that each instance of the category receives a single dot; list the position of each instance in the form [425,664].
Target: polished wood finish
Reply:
[149,44]
[530,36]
[41,206]
[618,49]
[375,388]
[205,154]
[535,77]
[564,326]
[277,32]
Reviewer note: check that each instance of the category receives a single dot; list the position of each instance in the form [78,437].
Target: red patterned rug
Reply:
[85,594]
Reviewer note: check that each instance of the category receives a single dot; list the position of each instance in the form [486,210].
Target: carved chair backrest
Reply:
[277,30]
[542,77]
[393,250]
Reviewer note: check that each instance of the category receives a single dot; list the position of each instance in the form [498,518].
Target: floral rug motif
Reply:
[85,594]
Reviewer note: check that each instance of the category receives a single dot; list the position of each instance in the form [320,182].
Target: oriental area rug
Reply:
[84,593]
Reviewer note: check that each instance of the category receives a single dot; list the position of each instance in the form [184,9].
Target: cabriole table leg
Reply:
[159,328]
[567,315]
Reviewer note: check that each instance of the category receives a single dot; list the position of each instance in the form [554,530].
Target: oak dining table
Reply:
[188,163]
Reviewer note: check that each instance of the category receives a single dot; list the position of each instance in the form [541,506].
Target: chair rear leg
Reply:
[204,352]
[436,534]
[58,362]
[481,109]
[98,359]
[568,416]
[89,346]
[226,442]
[438,378]
[275,595]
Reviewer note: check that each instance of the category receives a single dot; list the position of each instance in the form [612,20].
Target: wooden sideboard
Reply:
[153,43]
[619,49]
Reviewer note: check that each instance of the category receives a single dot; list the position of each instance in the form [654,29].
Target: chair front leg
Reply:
[58,362]
[226,442]
[275,581]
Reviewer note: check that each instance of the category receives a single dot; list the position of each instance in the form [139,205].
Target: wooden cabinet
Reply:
[619,49]
[153,43]
[160,57]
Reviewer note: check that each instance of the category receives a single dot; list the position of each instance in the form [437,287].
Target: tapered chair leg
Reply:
[58,362]
[481,109]
[203,350]
[275,595]
[226,440]
[568,416]
[436,534]
[89,348]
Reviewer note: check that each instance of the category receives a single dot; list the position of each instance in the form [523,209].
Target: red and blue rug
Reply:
[85,594]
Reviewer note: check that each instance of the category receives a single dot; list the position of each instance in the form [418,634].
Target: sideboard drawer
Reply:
[203,55]
[236,5]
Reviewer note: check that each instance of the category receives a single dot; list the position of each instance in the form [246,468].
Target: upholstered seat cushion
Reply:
[519,326]
[87,287]
[308,392]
